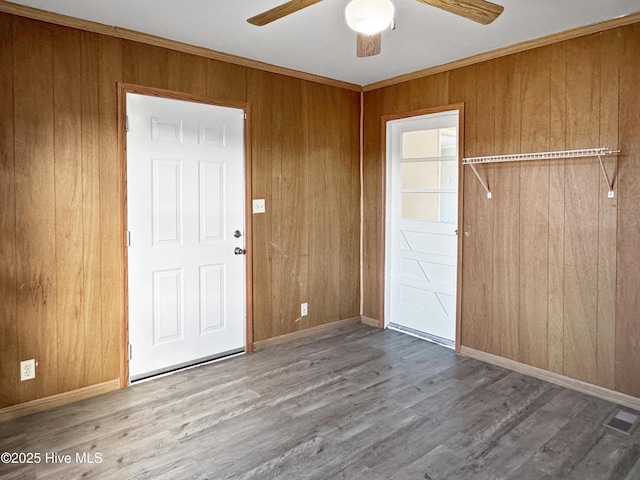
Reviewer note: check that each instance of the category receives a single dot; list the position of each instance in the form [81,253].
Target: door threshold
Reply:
[186,366]
[443,342]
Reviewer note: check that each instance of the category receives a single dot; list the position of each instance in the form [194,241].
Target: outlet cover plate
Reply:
[27,370]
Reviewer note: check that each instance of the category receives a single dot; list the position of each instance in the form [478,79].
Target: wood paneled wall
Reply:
[61,218]
[61,267]
[550,269]
[306,167]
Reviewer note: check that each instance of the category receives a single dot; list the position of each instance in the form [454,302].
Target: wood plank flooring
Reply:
[354,403]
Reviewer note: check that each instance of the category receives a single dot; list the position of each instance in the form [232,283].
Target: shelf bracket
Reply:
[486,188]
[610,193]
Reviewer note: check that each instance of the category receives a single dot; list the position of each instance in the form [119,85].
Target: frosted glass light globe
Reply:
[369,16]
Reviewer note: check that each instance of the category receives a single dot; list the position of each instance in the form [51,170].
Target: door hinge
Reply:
[130,352]
[128,238]
[126,123]
[245,115]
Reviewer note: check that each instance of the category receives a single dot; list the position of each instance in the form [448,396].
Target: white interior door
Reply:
[422,206]
[185,200]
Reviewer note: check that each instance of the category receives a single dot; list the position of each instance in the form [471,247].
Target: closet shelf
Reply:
[561,154]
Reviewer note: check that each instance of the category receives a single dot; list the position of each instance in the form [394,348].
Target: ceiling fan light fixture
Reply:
[369,16]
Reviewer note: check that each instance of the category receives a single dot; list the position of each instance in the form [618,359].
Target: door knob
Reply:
[239,251]
[237,234]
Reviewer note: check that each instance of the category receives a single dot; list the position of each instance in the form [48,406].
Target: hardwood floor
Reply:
[354,403]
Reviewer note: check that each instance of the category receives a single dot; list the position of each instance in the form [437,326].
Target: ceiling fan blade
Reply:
[280,11]
[369,45]
[479,11]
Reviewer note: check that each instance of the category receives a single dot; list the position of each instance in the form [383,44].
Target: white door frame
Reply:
[386,242]
[123,89]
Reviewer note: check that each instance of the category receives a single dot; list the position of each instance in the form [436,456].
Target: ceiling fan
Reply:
[369,17]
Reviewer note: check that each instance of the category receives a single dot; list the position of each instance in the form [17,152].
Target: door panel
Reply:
[212,175]
[167,201]
[212,298]
[422,193]
[185,189]
[168,299]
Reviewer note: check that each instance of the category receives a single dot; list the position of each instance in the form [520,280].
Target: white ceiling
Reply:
[317,40]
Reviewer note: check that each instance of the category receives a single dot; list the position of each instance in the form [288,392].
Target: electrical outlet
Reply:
[27,370]
[304,309]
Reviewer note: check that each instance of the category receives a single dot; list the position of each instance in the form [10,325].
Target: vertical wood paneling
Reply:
[373,178]
[581,211]
[349,228]
[488,333]
[67,115]
[397,102]
[111,214]
[557,129]
[318,221]
[292,205]
[627,353]
[331,254]
[462,88]
[609,52]
[429,92]
[91,288]
[225,80]
[303,210]
[130,63]
[9,366]
[275,318]
[443,88]
[149,65]
[506,229]
[261,188]
[305,242]
[534,210]
[193,74]
[174,70]
[34,187]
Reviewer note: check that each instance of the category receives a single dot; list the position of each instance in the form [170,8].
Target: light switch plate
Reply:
[258,205]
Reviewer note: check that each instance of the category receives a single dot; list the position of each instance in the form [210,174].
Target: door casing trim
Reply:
[123,89]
